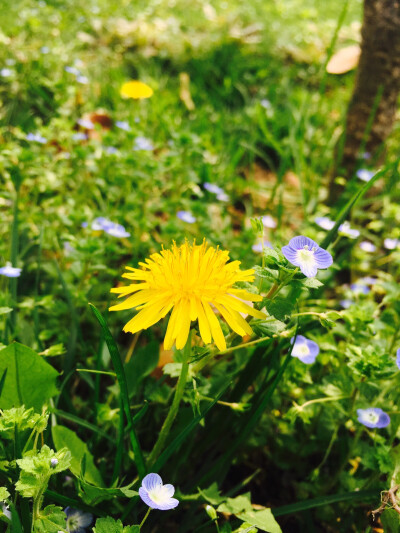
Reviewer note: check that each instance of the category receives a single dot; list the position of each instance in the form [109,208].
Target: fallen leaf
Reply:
[344,60]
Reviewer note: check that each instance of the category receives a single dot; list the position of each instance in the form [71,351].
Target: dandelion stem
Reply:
[180,387]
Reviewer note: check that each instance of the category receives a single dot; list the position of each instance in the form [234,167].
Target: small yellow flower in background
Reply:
[189,279]
[135,89]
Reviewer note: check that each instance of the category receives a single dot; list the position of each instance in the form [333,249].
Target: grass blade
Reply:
[121,378]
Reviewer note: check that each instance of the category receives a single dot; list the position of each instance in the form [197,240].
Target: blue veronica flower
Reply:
[304,349]
[156,495]
[6,72]
[77,520]
[80,136]
[346,303]
[373,417]
[324,223]
[306,254]
[258,248]
[122,125]
[211,187]
[72,70]
[268,222]
[186,216]
[10,271]
[398,358]
[85,123]
[345,229]
[45,50]
[364,174]
[266,104]
[367,246]
[82,79]
[142,143]
[360,288]
[223,197]
[36,137]
[111,150]
[116,230]
[101,223]
[391,244]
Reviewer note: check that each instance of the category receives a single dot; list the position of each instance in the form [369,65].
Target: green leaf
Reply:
[4,494]
[23,418]
[94,495]
[391,521]
[267,328]
[236,505]
[56,349]
[264,520]
[109,525]
[63,436]
[30,379]
[5,310]
[143,362]
[280,308]
[52,519]
[212,494]
[312,283]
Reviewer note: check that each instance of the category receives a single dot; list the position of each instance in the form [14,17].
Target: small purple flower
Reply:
[223,197]
[53,462]
[10,271]
[6,72]
[72,70]
[77,520]
[142,143]
[359,288]
[398,358]
[122,125]
[116,230]
[101,223]
[45,50]
[346,230]
[186,216]
[85,123]
[268,222]
[156,495]
[304,349]
[80,136]
[391,244]
[306,254]
[36,137]
[111,150]
[82,79]
[346,303]
[214,189]
[258,248]
[324,223]
[373,417]
[364,174]
[367,246]
[266,104]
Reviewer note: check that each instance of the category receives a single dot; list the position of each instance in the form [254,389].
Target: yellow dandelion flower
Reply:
[191,280]
[135,89]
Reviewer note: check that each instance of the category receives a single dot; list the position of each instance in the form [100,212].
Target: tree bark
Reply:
[373,105]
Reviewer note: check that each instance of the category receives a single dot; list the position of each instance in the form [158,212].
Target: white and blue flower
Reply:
[77,520]
[306,254]
[156,495]
[304,349]
[364,174]
[325,223]
[10,271]
[373,417]
[186,216]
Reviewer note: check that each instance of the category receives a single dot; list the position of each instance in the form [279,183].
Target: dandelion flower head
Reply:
[136,89]
[193,281]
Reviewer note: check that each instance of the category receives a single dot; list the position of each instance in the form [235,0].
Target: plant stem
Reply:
[180,387]
[145,518]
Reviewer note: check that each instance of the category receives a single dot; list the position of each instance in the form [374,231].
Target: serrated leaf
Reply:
[280,308]
[63,436]
[312,283]
[109,525]
[212,494]
[30,380]
[391,521]
[267,328]
[263,520]
[51,520]
[94,495]
[4,494]
[236,505]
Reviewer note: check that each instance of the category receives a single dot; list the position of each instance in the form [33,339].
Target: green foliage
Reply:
[65,438]
[52,520]
[30,380]
[36,469]
[22,418]
[109,525]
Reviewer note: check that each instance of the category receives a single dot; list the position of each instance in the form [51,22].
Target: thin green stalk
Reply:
[145,518]
[13,260]
[24,506]
[180,387]
[121,378]
[120,444]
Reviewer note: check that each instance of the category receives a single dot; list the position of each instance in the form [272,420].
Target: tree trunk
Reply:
[372,108]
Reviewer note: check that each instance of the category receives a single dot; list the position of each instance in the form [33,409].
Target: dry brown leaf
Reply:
[344,60]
